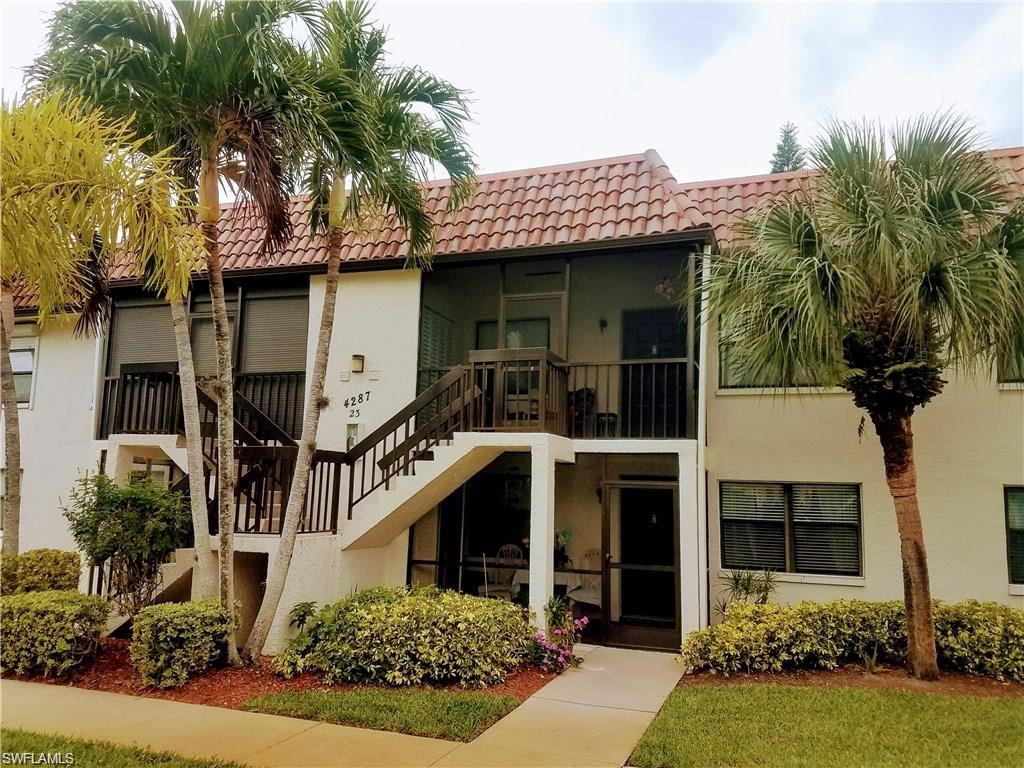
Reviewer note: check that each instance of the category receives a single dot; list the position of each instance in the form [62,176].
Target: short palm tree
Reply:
[65,215]
[224,87]
[901,258]
[416,121]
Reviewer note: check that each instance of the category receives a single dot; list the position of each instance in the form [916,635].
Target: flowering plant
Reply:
[554,652]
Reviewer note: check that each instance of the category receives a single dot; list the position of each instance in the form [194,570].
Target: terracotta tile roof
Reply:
[725,201]
[596,201]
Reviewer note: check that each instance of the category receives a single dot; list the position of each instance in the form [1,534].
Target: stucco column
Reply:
[693,588]
[542,531]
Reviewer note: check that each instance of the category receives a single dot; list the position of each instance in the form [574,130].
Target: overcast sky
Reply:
[707,85]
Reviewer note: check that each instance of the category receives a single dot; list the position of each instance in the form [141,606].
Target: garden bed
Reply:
[231,688]
[883,678]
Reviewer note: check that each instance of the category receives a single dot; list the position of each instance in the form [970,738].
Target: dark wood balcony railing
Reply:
[146,399]
[279,395]
[524,390]
[629,399]
[264,483]
[650,398]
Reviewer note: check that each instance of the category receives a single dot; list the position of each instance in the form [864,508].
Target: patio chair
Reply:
[589,591]
[498,576]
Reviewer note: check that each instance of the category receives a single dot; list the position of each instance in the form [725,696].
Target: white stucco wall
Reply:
[969,444]
[56,430]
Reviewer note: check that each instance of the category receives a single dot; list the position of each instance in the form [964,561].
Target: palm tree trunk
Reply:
[897,439]
[203,579]
[209,215]
[12,430]
[307,442]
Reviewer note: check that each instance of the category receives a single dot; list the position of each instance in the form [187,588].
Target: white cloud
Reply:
[561,82]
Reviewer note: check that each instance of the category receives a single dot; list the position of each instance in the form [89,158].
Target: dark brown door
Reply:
[641,574]
[653,394]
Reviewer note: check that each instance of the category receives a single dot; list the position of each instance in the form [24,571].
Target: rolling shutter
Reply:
[826,529]
[274,333]
[142,333]
[753,521]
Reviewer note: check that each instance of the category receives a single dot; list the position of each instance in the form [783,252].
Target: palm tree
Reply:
[225,88]
[901,258]
[65,215]
[417,120]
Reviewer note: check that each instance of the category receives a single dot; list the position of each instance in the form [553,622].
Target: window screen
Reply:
[792,527]
[1015,533]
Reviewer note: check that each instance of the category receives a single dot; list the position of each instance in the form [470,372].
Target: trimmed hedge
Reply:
[40,570]
[173,641]
[394,636]
[973,637]
[49,633]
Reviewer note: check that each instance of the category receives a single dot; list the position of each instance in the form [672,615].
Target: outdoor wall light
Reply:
[358,363]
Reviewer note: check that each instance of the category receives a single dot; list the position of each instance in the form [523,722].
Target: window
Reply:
[792,527]
[1015,534]
[732,376]
[23,366]
[1009,372]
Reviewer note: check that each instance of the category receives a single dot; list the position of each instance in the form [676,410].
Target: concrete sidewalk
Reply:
[590,716]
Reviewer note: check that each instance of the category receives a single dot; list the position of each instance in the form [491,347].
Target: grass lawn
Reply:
[807,727]
[98,754]
[454,715]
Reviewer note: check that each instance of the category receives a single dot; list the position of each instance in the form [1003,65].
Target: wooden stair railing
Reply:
[445,407]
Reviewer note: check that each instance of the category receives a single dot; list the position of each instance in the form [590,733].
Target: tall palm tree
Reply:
[222,85]
[65,214]
[418,121]
[901,258]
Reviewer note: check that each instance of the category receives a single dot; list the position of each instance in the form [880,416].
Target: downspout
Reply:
[702,437]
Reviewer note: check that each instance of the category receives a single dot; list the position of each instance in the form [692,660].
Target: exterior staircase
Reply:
[438,473]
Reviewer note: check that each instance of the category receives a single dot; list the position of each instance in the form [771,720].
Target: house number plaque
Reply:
[354,403]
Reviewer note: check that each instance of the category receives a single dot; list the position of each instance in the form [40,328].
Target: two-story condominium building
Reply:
[545,411]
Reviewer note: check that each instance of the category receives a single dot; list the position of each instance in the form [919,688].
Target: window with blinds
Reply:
[1015,534]
[791,527]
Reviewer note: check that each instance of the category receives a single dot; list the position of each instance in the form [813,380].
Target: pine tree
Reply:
[789,155]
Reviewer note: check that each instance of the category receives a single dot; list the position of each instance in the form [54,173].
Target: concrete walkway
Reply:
[591,716]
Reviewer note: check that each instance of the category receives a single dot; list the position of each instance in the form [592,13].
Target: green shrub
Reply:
[134,528]
[973,637]
[173,641]
[41,570]
[49,633]
[981,639]
[8,574]
[394,636]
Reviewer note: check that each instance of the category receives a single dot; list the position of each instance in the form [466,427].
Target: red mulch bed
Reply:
[886,678]
[111,670]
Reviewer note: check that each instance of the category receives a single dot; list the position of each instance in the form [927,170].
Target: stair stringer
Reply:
[389,511]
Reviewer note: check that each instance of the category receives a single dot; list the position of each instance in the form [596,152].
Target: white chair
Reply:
[498,576]
[589,591]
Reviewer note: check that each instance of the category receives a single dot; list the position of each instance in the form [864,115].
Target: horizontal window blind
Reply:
[1015,533]
[793,527]
[753,526]
[826,529]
